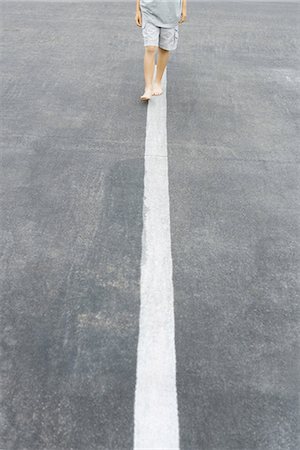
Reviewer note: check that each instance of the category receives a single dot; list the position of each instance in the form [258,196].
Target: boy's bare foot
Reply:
[146,95]
[157,89]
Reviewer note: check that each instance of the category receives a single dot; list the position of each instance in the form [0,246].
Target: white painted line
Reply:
[156,415]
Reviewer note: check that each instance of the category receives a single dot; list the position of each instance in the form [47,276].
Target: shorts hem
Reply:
[151,44]
[167,49]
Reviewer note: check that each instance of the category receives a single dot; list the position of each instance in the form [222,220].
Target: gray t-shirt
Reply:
[162,13]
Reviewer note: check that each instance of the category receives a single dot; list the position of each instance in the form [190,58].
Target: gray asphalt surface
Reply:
[71,219]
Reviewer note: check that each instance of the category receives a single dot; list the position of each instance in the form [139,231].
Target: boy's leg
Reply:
[162,61]
[151,39]
[168,40]
[149,63]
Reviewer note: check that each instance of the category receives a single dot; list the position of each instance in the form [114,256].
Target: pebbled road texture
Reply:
[71,219]
[233,141]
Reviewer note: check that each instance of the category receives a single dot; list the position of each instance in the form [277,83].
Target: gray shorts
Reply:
[165,38]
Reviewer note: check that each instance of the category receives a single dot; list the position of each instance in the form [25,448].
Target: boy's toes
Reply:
[157,90]
[146,96]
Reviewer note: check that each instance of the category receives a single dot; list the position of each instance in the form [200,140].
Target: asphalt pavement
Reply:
[72,174]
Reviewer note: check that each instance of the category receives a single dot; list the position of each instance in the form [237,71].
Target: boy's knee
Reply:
[163,50]
[150,49]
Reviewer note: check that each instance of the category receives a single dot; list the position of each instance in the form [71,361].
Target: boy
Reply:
[159,21]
